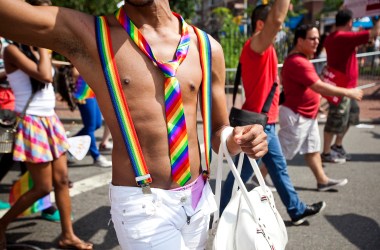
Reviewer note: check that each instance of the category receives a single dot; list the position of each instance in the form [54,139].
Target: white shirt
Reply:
[43,102]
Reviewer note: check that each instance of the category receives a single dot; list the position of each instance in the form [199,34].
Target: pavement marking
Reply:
[88,184]
[82,186]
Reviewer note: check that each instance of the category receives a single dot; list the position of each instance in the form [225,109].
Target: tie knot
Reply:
[168,68]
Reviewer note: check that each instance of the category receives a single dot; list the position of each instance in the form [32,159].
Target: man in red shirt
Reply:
[302,88]
[341,46]
[259,73]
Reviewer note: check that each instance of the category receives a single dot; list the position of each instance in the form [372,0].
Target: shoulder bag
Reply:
[240,117]
[8,127]
[250,220]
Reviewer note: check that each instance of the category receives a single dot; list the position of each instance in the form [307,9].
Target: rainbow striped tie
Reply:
[175,117]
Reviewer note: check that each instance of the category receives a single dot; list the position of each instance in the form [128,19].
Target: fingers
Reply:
[252,140]
[357,94]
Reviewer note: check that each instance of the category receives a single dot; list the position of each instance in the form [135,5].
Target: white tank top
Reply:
[43,102]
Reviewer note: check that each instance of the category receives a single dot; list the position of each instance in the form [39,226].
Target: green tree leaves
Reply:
[98,7]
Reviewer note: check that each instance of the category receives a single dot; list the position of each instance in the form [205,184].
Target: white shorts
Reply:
[297,134]
[162,220]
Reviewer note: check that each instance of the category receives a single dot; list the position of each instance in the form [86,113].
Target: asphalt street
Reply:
[350,220]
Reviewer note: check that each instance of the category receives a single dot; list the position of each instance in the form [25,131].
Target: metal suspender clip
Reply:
[146,189]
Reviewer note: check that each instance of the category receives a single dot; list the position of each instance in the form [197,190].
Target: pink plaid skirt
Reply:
[39,139]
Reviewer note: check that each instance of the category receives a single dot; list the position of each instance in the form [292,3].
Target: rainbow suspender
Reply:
[120,106]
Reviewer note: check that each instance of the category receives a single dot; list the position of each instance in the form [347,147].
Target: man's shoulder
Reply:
[296,60]
[248,51]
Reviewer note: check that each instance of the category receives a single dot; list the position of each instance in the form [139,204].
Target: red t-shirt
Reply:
[341,52]
[259,72]
[298,74]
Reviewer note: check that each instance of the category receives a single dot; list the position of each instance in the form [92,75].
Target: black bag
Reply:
[240,117]
[7,129]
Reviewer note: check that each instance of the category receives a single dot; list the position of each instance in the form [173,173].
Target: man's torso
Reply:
[298,74]
[341,52]
[143,88]
[259,72]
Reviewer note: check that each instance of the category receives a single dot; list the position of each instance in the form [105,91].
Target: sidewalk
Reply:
[369,108]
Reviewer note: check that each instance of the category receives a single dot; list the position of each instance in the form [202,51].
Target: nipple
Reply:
[192,87]
[126,81]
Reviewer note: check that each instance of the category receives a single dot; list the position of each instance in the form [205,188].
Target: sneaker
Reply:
[102,162]
[4,205]
[255,183]
[310,211]
[333,158]
[54,217]
[332,184]
[341,152]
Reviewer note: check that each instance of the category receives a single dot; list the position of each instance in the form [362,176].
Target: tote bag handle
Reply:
[223,151]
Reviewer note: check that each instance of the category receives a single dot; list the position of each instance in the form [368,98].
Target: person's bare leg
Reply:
[41,176]
[314,162]
[327,140]
[339,138]
[62,197]
[263,170]
[106,134]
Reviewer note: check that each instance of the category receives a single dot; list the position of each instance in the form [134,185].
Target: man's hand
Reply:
[251,139]
[356,94]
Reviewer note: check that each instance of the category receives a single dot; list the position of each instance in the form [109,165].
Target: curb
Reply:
[67,121]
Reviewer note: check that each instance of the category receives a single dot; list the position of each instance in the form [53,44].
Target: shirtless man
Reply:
[72,34]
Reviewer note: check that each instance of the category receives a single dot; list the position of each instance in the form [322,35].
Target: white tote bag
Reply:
[250,220]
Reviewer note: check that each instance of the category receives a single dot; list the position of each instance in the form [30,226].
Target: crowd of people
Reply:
[154,98]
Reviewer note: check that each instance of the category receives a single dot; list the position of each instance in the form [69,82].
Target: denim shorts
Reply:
[341,116]
[162,220]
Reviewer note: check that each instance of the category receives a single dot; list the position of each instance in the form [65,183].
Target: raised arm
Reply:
[266,31]
[14,59]
[60,29]
[250,139]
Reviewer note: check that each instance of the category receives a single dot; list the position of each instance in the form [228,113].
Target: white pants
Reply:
[163,220]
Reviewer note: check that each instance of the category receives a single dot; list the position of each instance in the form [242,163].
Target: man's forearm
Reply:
[279,11]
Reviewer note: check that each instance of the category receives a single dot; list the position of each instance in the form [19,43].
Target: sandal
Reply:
[80,245]
[105,147]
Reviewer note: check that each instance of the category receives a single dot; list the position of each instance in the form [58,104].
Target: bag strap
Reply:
[223,150]
[237,82]
[119,102]
[268,101]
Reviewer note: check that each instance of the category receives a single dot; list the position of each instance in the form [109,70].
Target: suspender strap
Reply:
[268,101]
[119,102]
[206,98]
[120,106]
